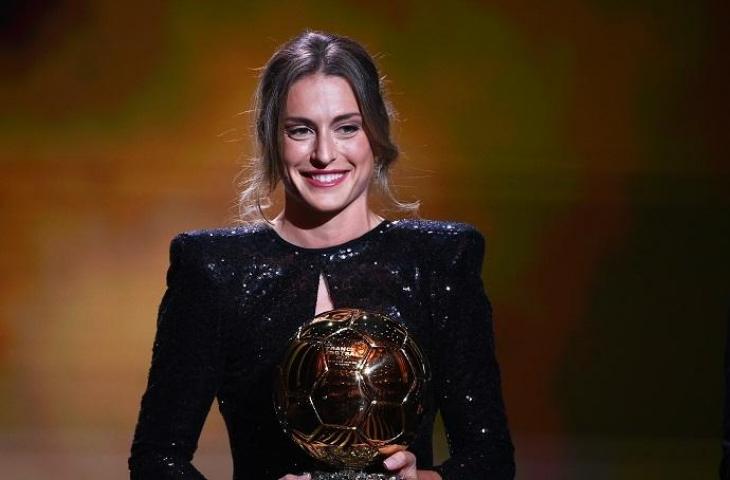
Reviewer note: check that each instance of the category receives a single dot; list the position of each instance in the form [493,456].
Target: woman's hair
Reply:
[307,54]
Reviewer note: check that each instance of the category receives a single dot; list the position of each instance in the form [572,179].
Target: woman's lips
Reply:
[325,179]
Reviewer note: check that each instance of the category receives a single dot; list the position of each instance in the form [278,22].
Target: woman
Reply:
[236,296]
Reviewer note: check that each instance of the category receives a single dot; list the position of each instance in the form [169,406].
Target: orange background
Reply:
[586,139]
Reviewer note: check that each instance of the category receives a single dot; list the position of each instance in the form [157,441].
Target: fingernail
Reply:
[389,463]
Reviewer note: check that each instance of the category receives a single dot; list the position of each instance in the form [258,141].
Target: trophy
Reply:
[351,390]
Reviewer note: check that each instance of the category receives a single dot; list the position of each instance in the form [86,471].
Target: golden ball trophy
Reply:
[351,390]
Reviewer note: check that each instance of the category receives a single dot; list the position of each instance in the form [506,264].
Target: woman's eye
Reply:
[298,132]
[348,129]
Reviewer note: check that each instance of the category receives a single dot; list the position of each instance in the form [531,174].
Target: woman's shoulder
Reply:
[219,240]
[438,231]
[442,241]
[235,232]
[447,245]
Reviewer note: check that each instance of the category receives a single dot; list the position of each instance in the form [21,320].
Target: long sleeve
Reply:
[185,373]
[466,374]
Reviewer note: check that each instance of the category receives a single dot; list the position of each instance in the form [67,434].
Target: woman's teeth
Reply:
[328,177]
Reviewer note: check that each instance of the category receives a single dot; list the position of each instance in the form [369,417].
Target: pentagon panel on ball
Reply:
[351,383]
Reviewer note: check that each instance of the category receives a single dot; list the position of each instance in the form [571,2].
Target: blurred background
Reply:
[586,139]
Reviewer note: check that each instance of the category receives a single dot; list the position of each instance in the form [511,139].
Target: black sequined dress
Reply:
[234,299]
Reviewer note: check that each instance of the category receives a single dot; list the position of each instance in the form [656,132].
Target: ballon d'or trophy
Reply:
[351,390]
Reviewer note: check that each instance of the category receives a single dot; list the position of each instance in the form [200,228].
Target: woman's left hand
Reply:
[291,476]
[404,464]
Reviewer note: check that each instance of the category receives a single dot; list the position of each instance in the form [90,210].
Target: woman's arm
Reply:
[466,374]
[185,372]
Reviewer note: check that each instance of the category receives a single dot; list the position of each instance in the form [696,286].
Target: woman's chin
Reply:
[322,205]
[325,209]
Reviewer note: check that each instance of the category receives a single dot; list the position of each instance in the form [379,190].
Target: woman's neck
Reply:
[322,230]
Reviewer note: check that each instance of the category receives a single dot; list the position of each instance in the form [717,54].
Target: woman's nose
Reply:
[324,151]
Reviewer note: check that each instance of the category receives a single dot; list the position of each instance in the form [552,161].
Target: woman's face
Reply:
[327,159]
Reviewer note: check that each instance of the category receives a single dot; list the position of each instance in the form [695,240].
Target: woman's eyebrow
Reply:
[338,118]
[303,120]
[346,116]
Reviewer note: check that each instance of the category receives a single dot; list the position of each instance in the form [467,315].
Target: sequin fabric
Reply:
[352,475]
[234,299]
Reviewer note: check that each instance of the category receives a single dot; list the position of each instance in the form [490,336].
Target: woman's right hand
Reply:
[291,476]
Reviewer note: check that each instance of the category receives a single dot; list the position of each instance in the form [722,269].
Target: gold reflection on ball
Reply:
[351,383]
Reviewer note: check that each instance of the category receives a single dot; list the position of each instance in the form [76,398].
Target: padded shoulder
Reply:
[219,240]
[217,235]
[216,252]
[447,243]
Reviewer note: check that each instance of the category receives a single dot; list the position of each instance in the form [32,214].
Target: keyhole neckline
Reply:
[365,236]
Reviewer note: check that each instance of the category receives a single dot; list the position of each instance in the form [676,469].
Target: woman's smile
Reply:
[326,179]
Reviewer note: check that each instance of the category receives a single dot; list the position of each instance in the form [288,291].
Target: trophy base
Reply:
[352,475]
